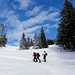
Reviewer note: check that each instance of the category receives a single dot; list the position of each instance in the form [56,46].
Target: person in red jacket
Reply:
[34,56]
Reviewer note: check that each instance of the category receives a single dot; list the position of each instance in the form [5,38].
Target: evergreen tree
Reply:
[28,42]
[31,43]
[37,41]
[50,42]
[73,29]
[66,30]
[23,43]
[43,39]
[3,38]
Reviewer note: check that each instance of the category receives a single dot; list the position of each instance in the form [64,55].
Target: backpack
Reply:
[46,54]
[38,54]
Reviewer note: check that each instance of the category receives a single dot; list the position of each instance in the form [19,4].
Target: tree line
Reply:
[65,37]
[39,41]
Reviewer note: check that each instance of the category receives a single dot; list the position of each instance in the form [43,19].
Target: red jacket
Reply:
[34,54]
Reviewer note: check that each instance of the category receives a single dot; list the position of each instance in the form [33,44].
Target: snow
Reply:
[19,62]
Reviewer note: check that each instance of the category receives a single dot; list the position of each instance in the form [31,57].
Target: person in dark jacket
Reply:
[38,59]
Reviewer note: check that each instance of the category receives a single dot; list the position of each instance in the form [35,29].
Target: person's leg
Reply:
[35,59]
[39,59]
[44,58]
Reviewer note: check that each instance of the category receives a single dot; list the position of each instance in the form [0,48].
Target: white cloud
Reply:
[22,4]
[29,26]
[40,18]
[34,11]
[32,29]
[17,34]
[48,27]
[11,20]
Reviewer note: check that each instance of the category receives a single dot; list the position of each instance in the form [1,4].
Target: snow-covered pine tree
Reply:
[37,41]
[28,42]
[66,30]
[43,39]
[3,38]
[31,43]
[23,43]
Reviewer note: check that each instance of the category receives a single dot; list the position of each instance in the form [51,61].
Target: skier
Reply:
[38,55]
[34,56]
[44,56]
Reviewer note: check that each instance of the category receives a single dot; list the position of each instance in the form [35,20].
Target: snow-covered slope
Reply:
[19,62]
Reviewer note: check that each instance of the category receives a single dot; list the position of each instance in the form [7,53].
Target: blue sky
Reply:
[28,16]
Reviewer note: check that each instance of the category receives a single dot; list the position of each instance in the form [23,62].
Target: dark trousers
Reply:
[44,58]
[38,59]
[35,59]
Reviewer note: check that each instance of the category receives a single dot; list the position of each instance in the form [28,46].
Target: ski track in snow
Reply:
[51,67]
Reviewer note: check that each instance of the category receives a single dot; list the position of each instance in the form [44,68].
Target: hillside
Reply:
[19,62]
